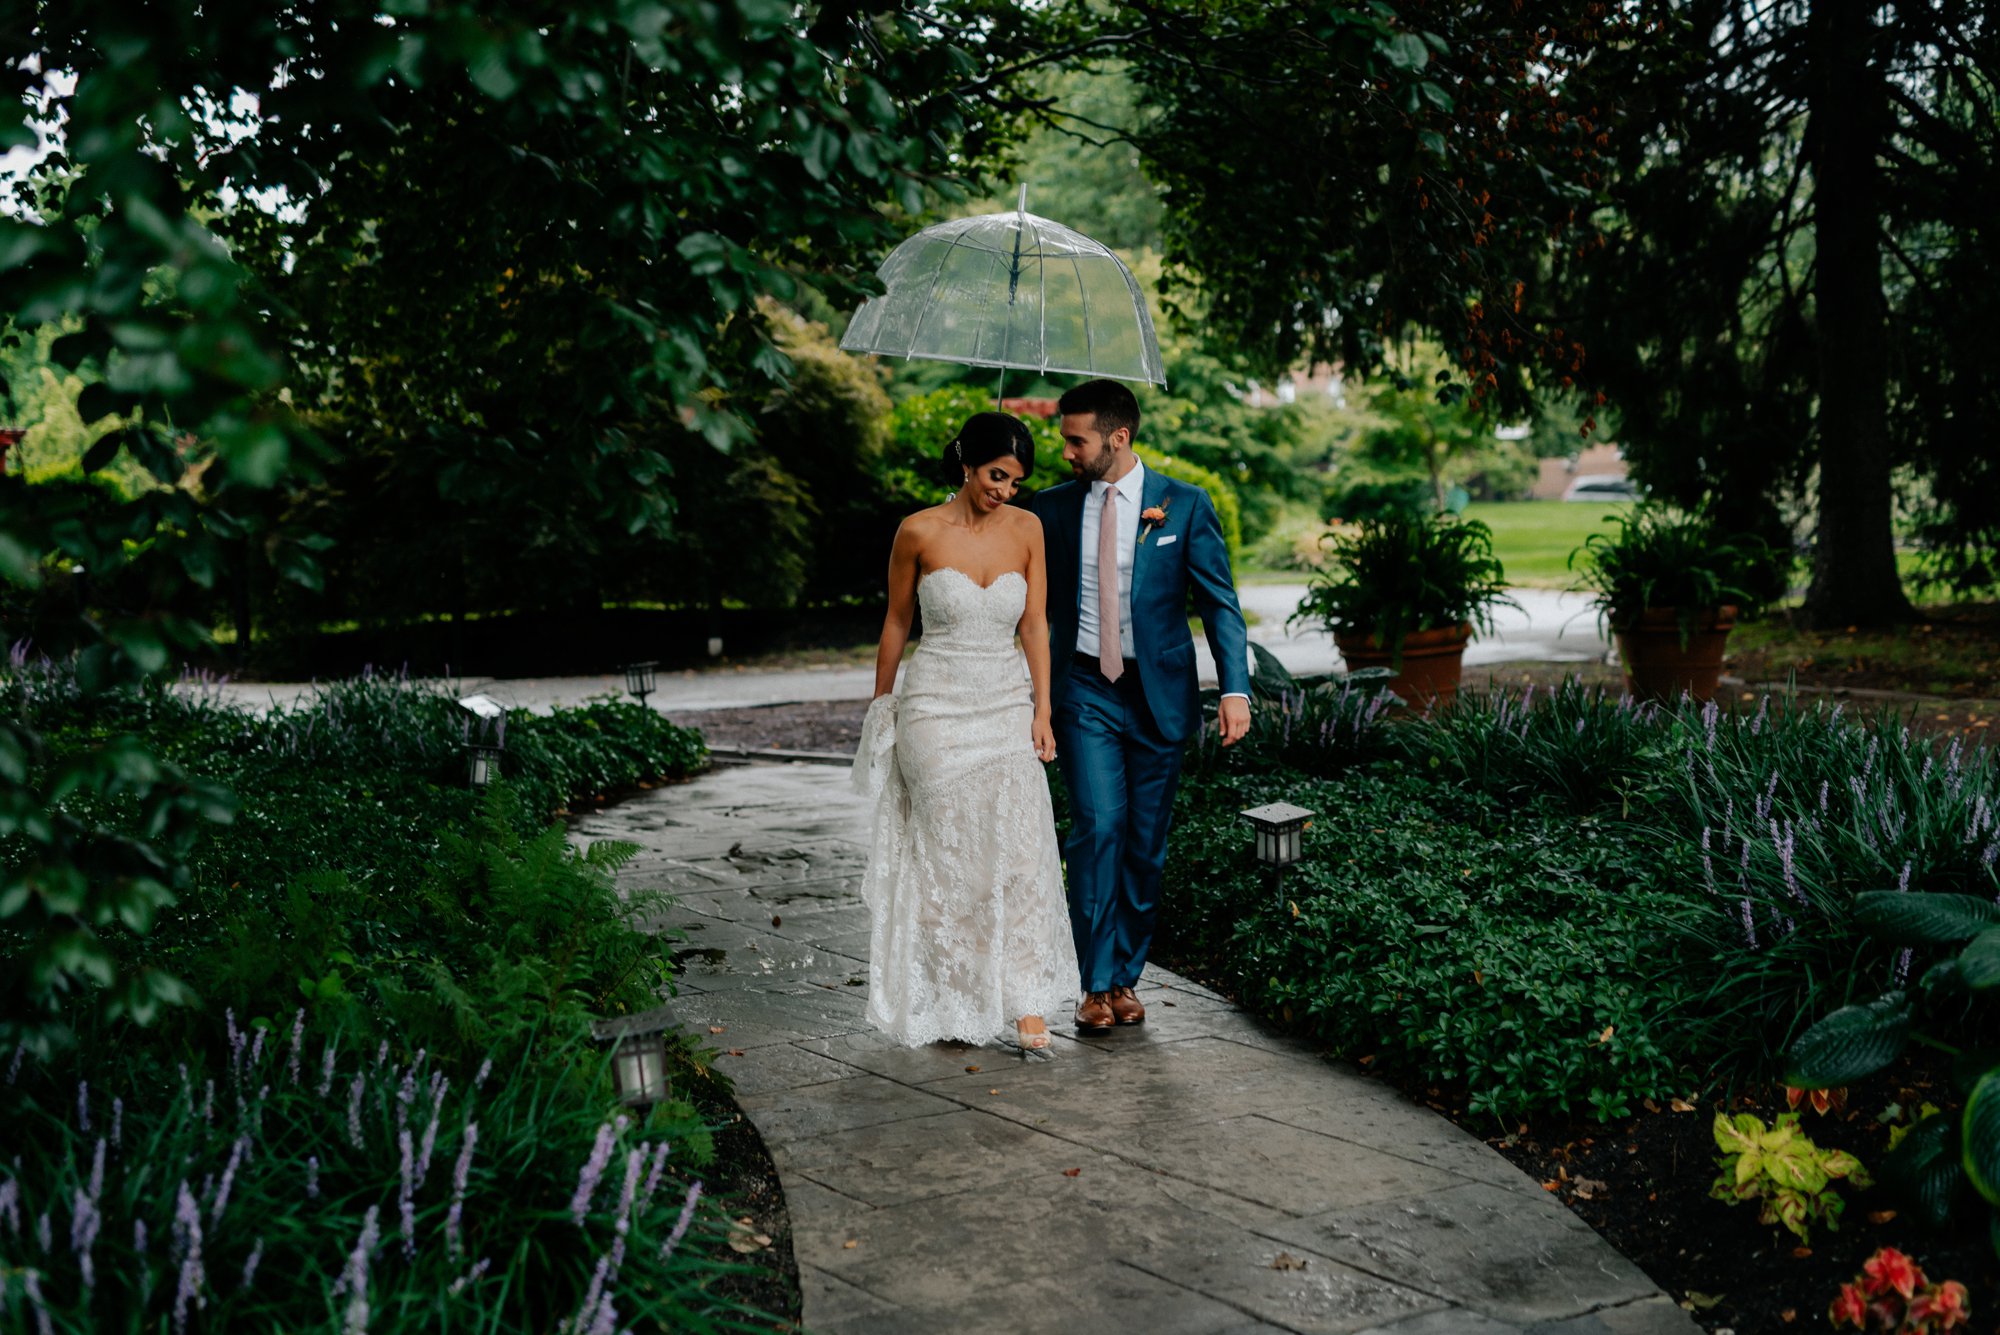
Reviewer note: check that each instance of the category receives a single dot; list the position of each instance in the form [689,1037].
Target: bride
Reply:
[970,932]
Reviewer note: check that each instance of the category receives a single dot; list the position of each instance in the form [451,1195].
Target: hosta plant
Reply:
[1780,1166]
[1935,1163]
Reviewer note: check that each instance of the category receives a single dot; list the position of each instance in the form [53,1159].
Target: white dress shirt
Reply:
[1131,488]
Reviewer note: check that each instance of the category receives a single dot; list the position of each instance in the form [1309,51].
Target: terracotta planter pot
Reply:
[1428,678]
[1658,668]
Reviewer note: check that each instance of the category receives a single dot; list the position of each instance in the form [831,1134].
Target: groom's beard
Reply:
[1092,470]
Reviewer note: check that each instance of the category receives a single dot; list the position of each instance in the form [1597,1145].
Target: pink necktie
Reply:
[1110,661]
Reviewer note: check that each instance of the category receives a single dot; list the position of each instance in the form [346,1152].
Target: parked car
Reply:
[1601,487]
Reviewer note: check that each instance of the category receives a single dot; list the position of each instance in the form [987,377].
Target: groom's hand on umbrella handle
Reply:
[1232,719]
[1045,740]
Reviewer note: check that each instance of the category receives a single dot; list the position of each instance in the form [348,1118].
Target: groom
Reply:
[1125,547]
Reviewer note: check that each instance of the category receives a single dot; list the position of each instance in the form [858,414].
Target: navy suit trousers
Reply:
[1121,775]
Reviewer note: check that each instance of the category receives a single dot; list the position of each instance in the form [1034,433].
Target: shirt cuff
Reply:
[1237,695]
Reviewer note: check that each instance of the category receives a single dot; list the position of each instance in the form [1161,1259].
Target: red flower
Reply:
[1850,1306]
[1944,1303]
[1888,1269]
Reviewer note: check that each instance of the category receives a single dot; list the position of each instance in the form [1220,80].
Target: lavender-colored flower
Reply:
[84,1223]
[31,1283]
[10,1205]
[1749,925]
[326,1057]
[354,1110]
[1903,881]
[44,1234]
[1903,966]
[1785,845]
[83,1105]
[485,1069]
[472,1276]
[298,1041]
[251,1263]
[382,1053]
[257,1048]
[606,1321]
[654,1173]
[14,1066]
[117,1124]
[673,1241]
[1991,851]
[635,1162]
[593,1171]
[353,1281]
[235,1042]
[97,1170]
[187,1239]
[429,1144]
[312,1177]
[454,1241]
[1707,864]
[208,1104]
[406,1199]
[1757,723]
[139,1238]
[1823,787]
[592,1296]
[221,1202]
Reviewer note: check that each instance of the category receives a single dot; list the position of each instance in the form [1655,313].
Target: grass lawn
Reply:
[1533,539]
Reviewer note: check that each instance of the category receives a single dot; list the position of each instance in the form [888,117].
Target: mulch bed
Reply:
[1643,1185]
[821,725]
[745,1180]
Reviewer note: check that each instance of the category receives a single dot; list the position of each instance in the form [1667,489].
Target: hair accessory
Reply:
[957,453]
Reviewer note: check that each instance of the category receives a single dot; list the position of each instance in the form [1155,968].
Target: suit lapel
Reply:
[1072,529]
[1153,493]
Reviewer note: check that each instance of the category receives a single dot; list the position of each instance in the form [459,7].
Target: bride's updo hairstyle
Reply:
[984,438]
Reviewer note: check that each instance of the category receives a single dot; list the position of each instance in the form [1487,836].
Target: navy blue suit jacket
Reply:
[1194,556]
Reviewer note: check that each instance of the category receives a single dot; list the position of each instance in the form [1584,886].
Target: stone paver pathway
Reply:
[1197,1175]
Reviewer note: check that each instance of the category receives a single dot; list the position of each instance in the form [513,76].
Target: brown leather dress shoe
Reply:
[1126,1007]
[1094,1014]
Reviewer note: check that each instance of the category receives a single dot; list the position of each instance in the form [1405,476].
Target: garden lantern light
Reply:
[1280,828]
[641,679]
[640,1048]
[485,738]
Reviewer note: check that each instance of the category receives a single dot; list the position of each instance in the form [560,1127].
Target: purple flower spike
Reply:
[236,1153]
[354,1110]
[83,1105]
[326,1071]
[593,1172]
[298,1040]
[117,1123]
[454,1241]
[312,1177]
[406,1201]
[681,1225]
[353,1281]
[250,1265]
[10,1205]
[187,1241]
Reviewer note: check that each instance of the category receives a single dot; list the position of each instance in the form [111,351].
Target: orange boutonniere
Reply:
[1154,515]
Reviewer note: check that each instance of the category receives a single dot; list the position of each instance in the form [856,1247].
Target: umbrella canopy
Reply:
[1010,290]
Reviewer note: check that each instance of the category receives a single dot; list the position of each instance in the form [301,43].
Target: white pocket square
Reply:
[1167,538]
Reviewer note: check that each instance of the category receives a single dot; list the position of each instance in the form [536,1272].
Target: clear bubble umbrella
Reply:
[1010,291]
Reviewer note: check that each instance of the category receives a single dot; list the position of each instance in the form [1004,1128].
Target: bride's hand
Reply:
[1045,740]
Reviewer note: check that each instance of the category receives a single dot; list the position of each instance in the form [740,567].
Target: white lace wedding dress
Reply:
[964,880]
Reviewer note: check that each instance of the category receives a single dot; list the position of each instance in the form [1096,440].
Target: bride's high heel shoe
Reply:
[1033,1036]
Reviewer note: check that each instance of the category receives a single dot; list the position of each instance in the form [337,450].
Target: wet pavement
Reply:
[1197,1174]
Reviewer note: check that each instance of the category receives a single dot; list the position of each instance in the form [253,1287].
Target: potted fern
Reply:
[1669,586]
[1406,593]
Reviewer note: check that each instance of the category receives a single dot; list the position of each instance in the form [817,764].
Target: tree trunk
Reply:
[1854,579]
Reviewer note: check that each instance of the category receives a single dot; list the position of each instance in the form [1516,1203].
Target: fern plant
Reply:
[1392,577]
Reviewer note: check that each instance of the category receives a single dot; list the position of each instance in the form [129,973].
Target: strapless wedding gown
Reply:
[970,929]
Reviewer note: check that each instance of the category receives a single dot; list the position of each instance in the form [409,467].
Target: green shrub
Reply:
[1780,1166]
[300,1187]
[1660,557]
[1442,934]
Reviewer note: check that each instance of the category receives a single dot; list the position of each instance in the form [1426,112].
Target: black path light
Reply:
[640,1046]
[485,738]
[641,679]
[1280,828]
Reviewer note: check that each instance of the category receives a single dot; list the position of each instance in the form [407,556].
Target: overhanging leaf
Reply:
[1923,919]
[1924,1170]
[1979,963]
[1853,1042]
[1980,1133]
